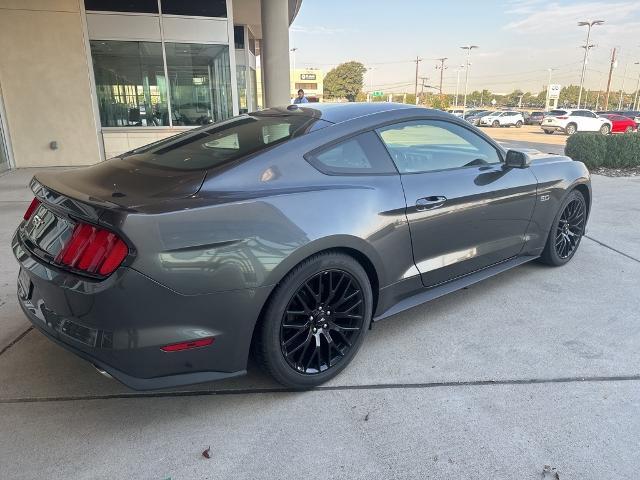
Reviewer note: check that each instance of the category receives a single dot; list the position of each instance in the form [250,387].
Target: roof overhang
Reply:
[247,12]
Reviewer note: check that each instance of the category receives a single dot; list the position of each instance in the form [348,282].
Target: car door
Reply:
[594,120]
[465,210]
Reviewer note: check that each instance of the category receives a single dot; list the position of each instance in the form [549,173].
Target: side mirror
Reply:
[516,159]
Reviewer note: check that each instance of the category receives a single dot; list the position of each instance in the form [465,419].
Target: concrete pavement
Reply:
[538,366]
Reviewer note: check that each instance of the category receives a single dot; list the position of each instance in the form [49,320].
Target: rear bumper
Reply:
[120,323]
[552,127]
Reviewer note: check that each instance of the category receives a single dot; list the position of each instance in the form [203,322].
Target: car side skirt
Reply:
[451,286]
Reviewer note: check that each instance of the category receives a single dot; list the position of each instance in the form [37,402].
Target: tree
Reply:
[345,81]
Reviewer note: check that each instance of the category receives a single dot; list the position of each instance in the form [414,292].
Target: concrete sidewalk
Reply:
[538,366]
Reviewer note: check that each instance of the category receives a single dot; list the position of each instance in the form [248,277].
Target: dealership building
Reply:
[84,80]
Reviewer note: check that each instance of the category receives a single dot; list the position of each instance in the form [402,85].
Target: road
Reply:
[535,367]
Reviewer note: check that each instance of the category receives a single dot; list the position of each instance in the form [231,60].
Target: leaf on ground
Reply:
[207,452]
[366,417]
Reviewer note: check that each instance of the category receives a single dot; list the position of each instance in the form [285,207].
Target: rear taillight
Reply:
[93,250]
[562,118]
[35,203]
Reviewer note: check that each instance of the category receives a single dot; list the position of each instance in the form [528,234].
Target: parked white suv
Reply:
[503,119]
[572,121]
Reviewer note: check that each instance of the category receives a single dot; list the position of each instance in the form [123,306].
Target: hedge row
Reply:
[597,150]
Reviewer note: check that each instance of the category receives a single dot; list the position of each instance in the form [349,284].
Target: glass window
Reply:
[130,83]
[199,8]
[238,36]
[360,155]
[199,82]
[140,6]
[427,145]
[215,145]
[241,77]
[253,94]
[252,43]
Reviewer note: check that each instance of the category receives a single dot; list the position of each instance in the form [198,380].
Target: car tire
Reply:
[605,129]
[571,129]
[628,130]
[518,124]
[301,321]
[565,236]
[495,124]
[547,131]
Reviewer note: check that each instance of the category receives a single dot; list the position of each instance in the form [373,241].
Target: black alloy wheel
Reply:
[570,228]
[322,321]
[315,321]
[567,230]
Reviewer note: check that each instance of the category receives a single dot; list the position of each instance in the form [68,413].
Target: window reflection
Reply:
[200,83]
[130,83]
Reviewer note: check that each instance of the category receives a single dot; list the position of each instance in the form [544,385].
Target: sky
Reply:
[518,41]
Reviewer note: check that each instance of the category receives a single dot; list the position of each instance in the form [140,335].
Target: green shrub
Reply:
[588,148]
[623,151]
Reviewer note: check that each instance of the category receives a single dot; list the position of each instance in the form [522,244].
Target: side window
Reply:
[577,113]
[363,154]
[589,114]
[428,145]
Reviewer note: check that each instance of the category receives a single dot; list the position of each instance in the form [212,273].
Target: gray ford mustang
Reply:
[285,232]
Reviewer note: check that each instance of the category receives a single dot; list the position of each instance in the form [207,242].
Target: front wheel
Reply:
[518,124]
[566,231]
[315,321]
[628,130]
[605,129]
[495,124]
[570,129]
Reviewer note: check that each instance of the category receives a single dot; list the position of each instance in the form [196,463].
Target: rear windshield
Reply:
[557,112]
[215,145]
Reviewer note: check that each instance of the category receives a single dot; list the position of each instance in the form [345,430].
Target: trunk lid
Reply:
[124,183]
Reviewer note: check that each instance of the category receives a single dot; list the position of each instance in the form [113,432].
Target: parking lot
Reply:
[535,367]
[528,136]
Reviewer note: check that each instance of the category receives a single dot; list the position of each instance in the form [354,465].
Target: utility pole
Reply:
[293,75]
[613,65]
[422,80]
[442,69]
[417,60]
[586,52]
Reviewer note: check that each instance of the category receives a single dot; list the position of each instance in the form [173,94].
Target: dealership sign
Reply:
[307,76]
[554,92]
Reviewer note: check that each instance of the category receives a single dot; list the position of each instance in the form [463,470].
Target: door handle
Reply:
[429,203]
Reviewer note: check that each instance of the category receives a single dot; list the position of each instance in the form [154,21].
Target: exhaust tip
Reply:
[102,372]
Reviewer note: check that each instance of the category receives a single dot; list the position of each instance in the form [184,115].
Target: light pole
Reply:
[546,102]
[468,48]
[457,84]
[636,105]
[589,25]
[624,77]
[293,75]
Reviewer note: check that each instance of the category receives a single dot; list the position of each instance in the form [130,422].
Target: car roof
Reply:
[341,112]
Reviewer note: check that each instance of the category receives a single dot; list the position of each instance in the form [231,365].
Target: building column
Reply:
[275,52]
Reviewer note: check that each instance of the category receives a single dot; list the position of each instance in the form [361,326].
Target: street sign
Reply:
[377,94]
[554,92]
